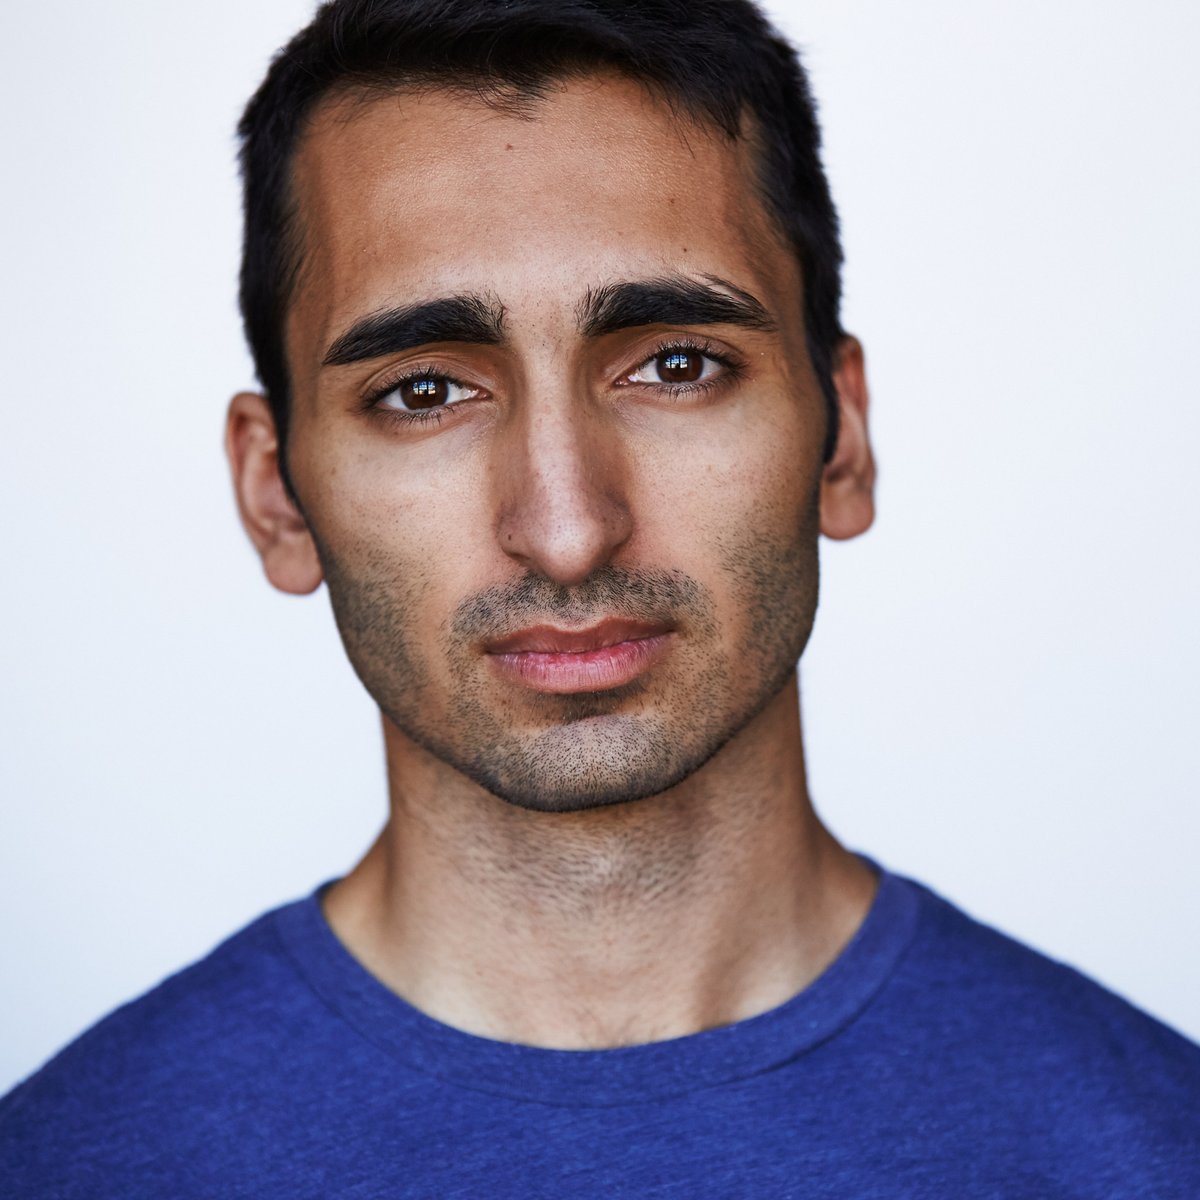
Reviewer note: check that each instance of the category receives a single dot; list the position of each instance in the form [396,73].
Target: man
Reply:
[544,302]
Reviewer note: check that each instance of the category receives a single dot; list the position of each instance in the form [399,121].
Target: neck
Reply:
[701,906]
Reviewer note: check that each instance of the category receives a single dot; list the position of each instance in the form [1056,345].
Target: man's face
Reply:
[556,435]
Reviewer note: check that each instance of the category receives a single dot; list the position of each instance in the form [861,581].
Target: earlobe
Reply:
[848,482]
[275,525]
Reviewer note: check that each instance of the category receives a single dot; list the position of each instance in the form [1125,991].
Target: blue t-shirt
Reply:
[934,1058]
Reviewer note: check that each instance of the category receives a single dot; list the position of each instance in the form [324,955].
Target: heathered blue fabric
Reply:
[935,1058]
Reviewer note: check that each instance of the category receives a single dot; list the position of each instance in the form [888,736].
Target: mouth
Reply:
[606,655]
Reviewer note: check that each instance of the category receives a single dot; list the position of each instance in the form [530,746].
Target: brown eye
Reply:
[679,366]
[424,392]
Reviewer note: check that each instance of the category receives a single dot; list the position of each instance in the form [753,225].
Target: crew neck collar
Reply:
[603,1078]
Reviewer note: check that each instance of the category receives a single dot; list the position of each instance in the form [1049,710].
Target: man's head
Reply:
[551,365]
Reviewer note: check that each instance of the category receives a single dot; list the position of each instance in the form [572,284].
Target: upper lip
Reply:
[546,639]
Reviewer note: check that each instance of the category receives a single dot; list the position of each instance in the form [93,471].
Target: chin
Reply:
[593,763]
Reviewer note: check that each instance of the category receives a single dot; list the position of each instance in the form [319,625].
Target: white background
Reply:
[1002,692]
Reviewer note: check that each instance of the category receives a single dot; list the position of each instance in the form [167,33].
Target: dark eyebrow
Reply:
[466,318]
[671,300]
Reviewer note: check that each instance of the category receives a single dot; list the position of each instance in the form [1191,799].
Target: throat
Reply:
[699,906]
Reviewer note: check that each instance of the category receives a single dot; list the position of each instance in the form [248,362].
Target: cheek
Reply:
[746,473]
[737,508]
[399,539]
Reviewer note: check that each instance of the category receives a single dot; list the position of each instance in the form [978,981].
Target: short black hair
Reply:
[716,61]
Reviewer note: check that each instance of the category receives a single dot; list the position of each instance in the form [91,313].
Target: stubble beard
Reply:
[552,753]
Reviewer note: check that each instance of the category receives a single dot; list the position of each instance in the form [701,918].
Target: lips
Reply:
[606,655]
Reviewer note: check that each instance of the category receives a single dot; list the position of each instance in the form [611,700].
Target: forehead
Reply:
[417,194]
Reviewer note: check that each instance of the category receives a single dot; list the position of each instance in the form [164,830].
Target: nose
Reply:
[563,504]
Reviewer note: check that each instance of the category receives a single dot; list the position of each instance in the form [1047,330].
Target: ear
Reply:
[275,525]
[848,483]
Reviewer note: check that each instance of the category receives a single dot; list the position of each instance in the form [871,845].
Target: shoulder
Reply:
[993,973]
[1048,1047]
[148,1072]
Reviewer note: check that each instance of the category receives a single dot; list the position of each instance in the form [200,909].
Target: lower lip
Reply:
[588,671]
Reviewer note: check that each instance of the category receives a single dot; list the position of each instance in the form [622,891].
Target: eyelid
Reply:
[732,364]
[389,381]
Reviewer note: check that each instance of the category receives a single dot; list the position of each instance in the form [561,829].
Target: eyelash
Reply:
[732,369]
[419,416]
